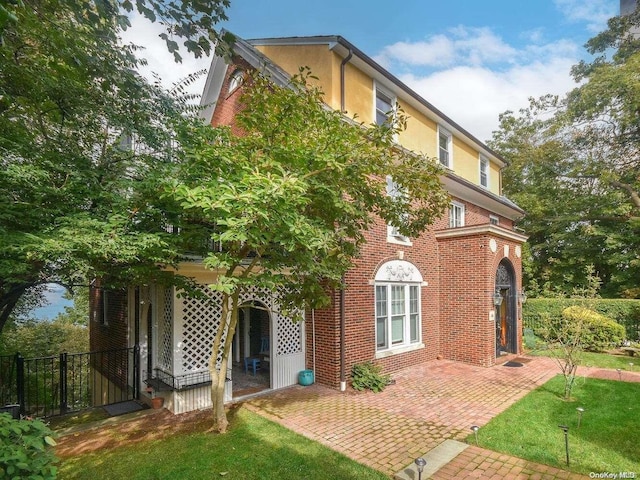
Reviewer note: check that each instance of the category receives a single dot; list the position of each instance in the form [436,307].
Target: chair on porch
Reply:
[253,363]
[265,353]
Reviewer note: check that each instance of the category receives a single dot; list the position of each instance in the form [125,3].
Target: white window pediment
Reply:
[398,271]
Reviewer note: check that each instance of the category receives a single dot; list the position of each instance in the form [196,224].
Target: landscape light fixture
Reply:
[580,412]
[474,429]
[497,298]
[565,429]
[619,373]
[420,463]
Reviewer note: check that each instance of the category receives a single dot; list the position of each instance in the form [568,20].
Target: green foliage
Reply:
[84,141]
[573,166]
[254,449]
[601,332]
[368,376]
[26,449]
[44,338]
[623,311]
[606,441]
[290,199]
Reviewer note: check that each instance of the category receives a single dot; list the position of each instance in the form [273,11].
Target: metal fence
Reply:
[69,382]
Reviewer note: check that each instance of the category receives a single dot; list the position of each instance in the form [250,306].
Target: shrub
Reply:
[623,311]
[600,332]
[25,449]
[368,376]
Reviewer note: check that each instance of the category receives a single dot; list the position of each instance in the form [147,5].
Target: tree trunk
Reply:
[228,322]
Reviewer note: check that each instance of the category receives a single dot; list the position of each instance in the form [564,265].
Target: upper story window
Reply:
[395,192]
[445,147]
[456,215]
[493,220]
[397,306]
[484,171]
[236,79]
[384,107]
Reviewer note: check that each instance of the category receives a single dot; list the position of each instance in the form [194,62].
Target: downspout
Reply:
[343,64]
[343,377]
[313,339]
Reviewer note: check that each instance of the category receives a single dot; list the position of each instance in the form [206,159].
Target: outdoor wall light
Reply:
[580,412]
[523,296]
[420,463]
[474,429]
[497,298]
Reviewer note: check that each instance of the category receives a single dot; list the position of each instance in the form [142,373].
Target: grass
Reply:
[608,439]
[601,360]
[77,418]
[254,448]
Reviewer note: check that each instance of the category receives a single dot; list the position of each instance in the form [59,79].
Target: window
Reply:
[236,79]
[384,108]
[397,315]
[493,220]
[445,147]
[456,215]
[395,192]
[484,171]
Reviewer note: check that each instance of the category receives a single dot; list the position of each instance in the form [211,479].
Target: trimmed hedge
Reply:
[622,311]
[602,332]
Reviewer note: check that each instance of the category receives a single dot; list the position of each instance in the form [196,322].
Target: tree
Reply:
[84,140]
[574,169]
[290,201]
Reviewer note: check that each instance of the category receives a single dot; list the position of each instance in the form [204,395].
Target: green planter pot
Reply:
[305,377]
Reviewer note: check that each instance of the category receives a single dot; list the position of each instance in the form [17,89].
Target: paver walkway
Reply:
[428,404]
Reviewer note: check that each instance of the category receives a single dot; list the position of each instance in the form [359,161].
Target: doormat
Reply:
[511,363]
[522,360]
[121,408]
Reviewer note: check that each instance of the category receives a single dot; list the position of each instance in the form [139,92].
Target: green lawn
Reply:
[254,448]
[608,439]
[602,360]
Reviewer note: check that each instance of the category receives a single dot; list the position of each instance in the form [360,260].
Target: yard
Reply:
[162,446]
[607,440]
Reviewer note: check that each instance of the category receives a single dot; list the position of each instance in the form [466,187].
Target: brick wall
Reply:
[110,331]
[460,276]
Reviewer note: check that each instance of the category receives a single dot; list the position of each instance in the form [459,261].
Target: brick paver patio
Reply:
[428,404]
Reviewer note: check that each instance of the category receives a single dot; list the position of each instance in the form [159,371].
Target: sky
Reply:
[472,59]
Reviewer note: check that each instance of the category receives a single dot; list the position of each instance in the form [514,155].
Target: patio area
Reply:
[427,405]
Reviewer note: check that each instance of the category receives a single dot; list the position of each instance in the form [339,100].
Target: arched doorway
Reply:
[506,312]
[252,350]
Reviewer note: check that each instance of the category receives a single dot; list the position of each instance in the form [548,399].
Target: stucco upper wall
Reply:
[421,134]
[317,57]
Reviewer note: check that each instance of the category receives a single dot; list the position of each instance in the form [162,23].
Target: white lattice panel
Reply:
[202,318]
[165,356]
[200,322]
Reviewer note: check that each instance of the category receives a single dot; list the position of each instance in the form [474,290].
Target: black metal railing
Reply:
[69,382]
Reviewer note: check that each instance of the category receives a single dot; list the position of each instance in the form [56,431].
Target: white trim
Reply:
[456,205]
[441,131]
[389,96]
[483,158]
[482,230]
[399,350]
[399,271]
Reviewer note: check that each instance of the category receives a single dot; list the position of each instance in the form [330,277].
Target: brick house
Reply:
[454,292]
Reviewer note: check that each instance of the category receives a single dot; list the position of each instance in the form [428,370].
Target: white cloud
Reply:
[475,96]
[594,13]
[479,75]
[160,61]
[462,45]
